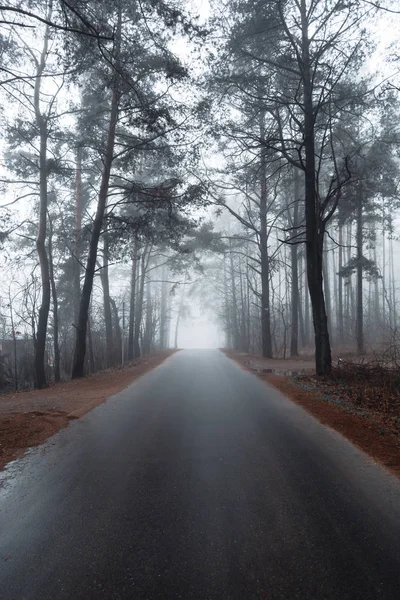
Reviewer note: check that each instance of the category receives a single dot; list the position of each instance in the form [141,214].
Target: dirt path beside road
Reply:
[29,418]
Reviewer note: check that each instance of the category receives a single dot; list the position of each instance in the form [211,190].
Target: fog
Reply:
[214,184]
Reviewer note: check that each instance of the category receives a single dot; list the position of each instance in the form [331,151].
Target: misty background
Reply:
[223,174]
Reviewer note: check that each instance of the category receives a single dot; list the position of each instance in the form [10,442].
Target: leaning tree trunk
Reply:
[315,229]
[80,343]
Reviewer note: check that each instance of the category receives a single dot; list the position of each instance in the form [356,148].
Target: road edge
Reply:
[363,433]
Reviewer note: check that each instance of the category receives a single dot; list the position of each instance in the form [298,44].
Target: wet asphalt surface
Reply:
[198,482]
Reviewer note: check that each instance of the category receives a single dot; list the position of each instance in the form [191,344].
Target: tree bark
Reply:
[327,289]
[118,332]
[340,286]
[56,345]
[180,309]
[139,306]
[110,351]
[92,365]
[266,340]
[80,343]
[360,306]
[148,338]
[295,296]
[163,307]
[234,311]
[41,122]
[132,303]
[78,233]
[314,224]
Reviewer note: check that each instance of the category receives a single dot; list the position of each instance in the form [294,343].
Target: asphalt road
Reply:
[202,483]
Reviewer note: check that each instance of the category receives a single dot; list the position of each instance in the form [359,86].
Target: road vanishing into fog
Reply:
[198,482]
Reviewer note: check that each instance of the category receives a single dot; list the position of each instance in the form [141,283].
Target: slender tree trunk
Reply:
[92,365]
[335,323]
[78,233]
[180,309]
[14,338]
[340,286]
[294,336]
[348,295]
[132,302]
[227,309]
[243,321]
[360,307]
[41,122]
[118,332]
[234,311]
[266,339]
[247,302]
[163,307]
[383,273]
[377,315]
[56,345]
[307,316]
[148,338]
[110,351]
[327,289]
[302,325]
[80,343]
[392,284]
[139,305]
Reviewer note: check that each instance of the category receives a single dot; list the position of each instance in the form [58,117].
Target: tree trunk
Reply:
[340,286]
[307,316]
[392,284]
[80,343]
[14,338]
[266,340]
[163,307]
[56,345]
[132,301]
[41,122]
[234,311]
[92,365]
[327,290]
[139,306]
[118,332]
[360,308]
[227,311]
[180,309]
[110,351]
[314,225]
[294,335]
[377,314]
[149,329]
[78,233]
